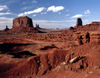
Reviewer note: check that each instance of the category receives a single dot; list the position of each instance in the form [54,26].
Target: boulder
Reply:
[74,59]
[23,21]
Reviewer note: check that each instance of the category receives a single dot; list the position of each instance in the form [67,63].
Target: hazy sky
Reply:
[50,13]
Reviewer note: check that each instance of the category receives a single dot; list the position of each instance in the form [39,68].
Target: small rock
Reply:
[63,63]
[66,67]
[91,72]
[96,67]
[74,59]
[58,70]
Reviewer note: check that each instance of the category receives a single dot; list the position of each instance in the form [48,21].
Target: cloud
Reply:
[78,16]
[29,7]
[88,21]
[7,13]
[87,12]
[10,1]
[34,1]
[31,12]
[67,10]
[55,23]
[3,7]
[8,10]
[67,14]
[34,15]
[24,2]
[44,13]
[55,9]
[5,21]
[59,12]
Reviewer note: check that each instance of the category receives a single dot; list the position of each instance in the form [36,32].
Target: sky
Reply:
[50,13]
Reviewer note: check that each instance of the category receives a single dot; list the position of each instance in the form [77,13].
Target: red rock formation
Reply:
[78,22]
[22,25]
[22,22]
[37,26]
[6,29]
[71,28]
[95,38]
[22,30]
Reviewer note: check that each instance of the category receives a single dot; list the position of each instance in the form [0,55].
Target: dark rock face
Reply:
[37,26]
[6,29]
[71,28]
[78,22]
[23,21]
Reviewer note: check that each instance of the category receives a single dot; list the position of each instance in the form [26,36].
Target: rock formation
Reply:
[71,28]
[95,38]
[22,25]
[6,29]
[37,26]
[78,23]
[23,21]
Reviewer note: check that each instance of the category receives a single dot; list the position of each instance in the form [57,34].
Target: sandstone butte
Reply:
[71,53]
[22,24]
[23,21]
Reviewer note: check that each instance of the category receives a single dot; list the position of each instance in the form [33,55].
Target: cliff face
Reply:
[22,22]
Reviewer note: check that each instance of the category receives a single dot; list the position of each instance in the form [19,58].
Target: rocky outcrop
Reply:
[71,28]
[83,38]
[6,29]
[94,26]
[37,26]
[78,23]
[89,37]
[95,23]
[95,38]
[23,21]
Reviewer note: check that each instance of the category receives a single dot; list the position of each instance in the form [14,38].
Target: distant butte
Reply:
[22,25]
[37,26]
[23,21]
[78,23]
[6,29]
